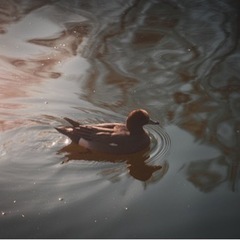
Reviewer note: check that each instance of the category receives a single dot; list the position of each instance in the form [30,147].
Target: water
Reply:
[95,61]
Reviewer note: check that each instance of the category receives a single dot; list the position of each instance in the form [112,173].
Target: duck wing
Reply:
[104,133]
[98,132]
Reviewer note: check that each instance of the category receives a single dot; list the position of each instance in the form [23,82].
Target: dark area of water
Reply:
[95,61]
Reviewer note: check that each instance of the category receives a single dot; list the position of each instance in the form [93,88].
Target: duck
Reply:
[112,138]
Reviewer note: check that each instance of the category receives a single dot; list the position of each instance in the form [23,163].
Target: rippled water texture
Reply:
[95,61]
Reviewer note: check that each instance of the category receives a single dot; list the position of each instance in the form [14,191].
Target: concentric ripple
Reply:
[160,142]
[142,165]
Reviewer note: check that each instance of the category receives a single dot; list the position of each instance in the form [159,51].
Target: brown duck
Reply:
[112,138]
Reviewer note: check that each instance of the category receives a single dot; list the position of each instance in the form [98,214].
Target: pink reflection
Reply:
[18,74]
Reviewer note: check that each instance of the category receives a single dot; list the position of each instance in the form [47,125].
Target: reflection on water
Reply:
[189,81]
[139,165]
[136,163]
[93,60]
[207,174]
[116,91]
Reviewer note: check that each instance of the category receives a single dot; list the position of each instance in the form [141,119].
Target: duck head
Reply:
[137,119]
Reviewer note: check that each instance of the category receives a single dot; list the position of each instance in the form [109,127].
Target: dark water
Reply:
[95,61]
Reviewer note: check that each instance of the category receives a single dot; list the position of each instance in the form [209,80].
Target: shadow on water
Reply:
[142,165]
[136,163]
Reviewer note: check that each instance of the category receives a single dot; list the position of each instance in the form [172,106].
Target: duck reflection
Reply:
[137,163]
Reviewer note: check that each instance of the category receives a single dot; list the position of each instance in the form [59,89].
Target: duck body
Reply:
[113,138]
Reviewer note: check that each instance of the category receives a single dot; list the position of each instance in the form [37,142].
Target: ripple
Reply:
[39,143]
[141,165]
[160,142]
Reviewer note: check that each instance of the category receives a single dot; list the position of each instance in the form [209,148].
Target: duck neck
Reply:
[135,129]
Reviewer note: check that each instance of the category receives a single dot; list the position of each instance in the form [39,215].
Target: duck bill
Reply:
[153,122]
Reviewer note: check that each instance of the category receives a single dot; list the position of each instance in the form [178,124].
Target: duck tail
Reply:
[69,132]
[72,122]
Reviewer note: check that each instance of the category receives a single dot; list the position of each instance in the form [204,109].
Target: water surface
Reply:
[95,61]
